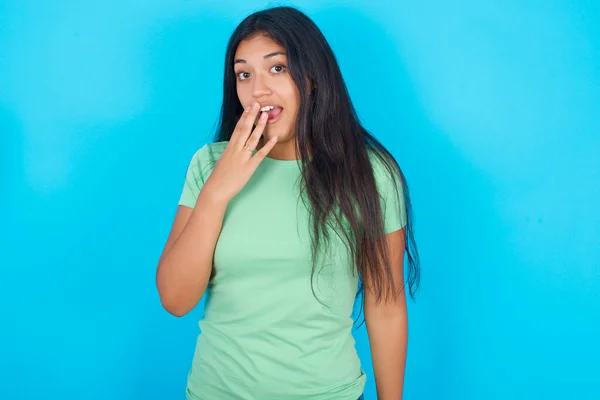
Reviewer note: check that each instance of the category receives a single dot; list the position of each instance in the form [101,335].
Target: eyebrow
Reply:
[266,57]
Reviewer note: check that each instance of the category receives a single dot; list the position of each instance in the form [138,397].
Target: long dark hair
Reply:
[333,148]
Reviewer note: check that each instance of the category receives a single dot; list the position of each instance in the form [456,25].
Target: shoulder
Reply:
[391,187]
[204,160]
[216,148]
[385,167]
[210,151]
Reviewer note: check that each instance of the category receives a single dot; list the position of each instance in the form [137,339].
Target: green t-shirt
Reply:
[264,334]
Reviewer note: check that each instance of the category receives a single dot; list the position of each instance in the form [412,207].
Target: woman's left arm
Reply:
[387,326]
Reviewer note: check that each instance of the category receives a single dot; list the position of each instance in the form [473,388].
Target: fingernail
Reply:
[264,115]
[247,109]
[255,105]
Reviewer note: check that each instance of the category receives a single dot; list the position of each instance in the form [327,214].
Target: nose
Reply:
[261,88]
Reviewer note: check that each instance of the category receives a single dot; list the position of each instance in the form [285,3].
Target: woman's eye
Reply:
[277,69]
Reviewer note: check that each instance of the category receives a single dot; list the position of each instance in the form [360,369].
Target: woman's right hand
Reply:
[237,163]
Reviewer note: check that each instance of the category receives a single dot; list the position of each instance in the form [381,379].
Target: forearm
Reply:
[388,339]
[184,270]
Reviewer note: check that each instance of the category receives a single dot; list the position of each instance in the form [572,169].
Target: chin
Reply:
[269,135]
[281,136]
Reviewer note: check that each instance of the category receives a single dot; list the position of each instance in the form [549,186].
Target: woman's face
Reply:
[260,65]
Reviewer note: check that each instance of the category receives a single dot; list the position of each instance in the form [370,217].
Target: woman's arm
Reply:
[186,262]
[387,326]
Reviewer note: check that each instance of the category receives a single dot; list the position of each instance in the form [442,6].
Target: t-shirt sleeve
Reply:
[391,193]
[194,179]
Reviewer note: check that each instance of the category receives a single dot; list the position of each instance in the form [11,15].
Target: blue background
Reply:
[492,109]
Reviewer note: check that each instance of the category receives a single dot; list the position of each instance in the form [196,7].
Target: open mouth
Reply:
[274,113]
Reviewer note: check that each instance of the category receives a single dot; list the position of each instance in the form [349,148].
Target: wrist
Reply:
[212,197]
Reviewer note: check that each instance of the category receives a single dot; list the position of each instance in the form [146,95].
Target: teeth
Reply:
[267,108]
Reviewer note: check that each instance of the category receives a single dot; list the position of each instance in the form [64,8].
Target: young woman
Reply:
[289,216]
